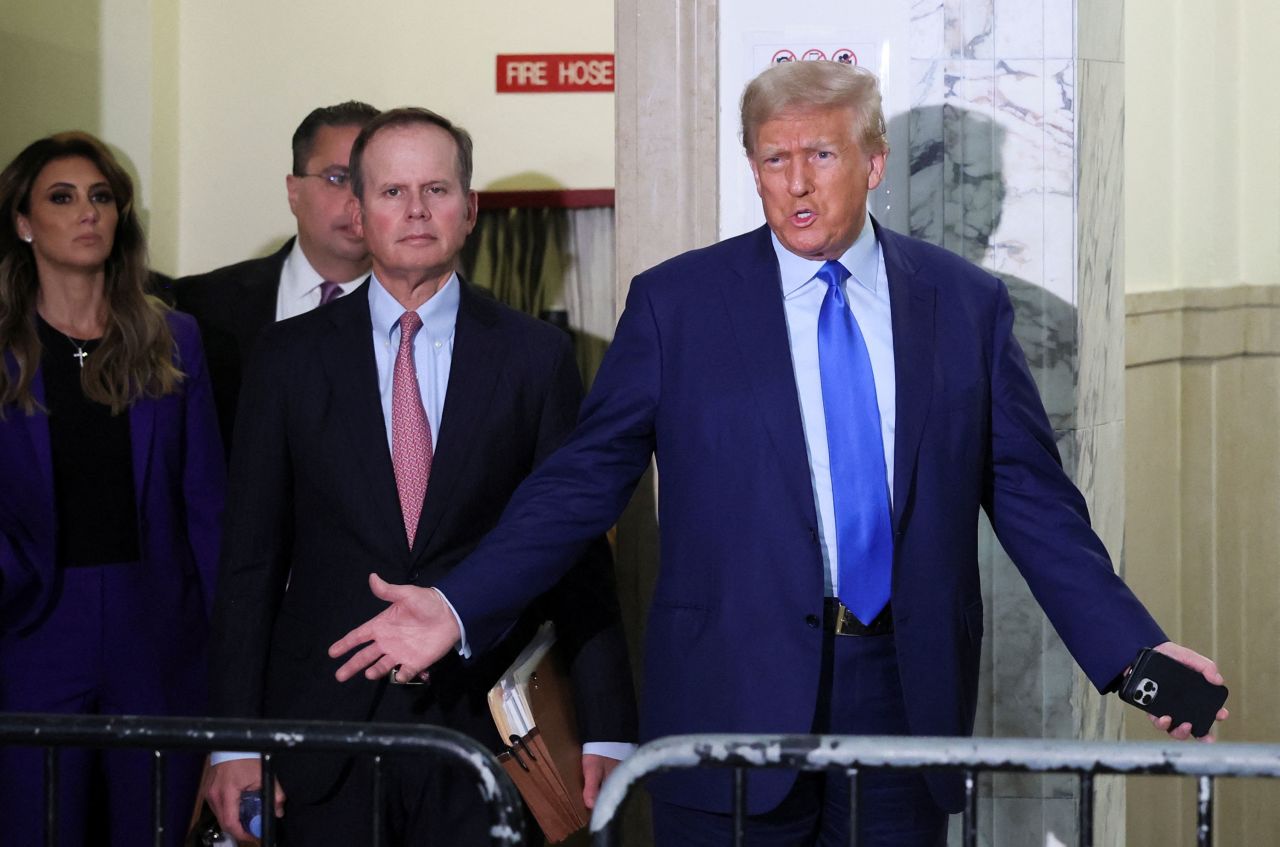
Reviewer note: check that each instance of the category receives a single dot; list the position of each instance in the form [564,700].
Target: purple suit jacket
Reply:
[180,483]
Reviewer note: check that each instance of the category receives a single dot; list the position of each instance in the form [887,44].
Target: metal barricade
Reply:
[163,734]
[850,754]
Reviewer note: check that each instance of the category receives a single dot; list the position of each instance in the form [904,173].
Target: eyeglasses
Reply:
[335,179]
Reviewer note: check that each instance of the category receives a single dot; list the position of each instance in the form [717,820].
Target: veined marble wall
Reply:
[1014,137]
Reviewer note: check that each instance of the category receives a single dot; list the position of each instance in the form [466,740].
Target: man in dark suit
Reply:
[325,260]
[830,405]
[388,430]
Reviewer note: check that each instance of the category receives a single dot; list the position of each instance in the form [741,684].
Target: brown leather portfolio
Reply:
[545,762]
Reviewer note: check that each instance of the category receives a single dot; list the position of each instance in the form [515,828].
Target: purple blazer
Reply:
[179,476]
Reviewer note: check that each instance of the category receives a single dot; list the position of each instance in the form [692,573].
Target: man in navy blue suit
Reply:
[830,404]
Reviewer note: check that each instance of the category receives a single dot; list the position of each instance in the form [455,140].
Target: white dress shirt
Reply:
[299,290]
[867,291]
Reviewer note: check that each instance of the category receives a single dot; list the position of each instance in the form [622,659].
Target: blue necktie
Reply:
[864,539]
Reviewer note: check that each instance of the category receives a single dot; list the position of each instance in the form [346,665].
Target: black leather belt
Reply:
[836,618]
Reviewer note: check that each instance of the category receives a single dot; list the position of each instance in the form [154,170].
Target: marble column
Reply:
[665,199]
[665,202]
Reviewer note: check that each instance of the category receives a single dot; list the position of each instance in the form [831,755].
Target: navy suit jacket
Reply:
[699,374]
[233,305]
[314,510]
[179,480]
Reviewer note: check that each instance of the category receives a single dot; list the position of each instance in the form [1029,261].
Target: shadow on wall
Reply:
[957,200]
[959,193]
[51,64]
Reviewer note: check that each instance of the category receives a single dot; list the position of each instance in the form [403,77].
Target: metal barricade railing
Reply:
[164,734]
[850,754]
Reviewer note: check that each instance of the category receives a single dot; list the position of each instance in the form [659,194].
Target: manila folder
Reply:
[532,706]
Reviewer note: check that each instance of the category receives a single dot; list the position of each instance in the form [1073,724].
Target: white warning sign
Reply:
[855,54]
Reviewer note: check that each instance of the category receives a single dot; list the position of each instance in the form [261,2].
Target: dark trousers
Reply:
[427,800]
[860,694]
[89,655]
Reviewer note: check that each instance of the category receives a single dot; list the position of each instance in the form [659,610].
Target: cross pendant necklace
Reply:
[80,353]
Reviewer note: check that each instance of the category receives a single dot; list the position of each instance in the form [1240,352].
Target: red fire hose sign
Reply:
[554,72]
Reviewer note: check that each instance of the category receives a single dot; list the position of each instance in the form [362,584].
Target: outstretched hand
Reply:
[1205,666]
[408,636]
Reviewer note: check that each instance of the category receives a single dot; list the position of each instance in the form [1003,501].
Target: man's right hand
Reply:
[226,782]
[405,638]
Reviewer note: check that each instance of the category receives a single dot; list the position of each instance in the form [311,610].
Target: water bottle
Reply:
[251,812]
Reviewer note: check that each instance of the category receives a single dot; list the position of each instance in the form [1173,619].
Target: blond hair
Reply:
[789,86]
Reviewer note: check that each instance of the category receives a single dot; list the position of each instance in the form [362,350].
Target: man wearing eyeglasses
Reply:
[326,260]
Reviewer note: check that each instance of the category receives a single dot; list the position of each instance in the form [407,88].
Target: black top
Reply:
[92,462]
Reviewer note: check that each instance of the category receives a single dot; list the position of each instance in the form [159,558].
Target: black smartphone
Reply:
[1164,686]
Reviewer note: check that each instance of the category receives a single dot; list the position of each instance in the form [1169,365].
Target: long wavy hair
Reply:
[137,353]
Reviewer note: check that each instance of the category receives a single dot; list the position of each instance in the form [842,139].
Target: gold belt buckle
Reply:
[843,618]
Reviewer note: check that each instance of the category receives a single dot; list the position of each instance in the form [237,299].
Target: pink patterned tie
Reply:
[329,291]
[410,430]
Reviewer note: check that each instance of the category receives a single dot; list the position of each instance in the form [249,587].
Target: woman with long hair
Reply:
[111,492]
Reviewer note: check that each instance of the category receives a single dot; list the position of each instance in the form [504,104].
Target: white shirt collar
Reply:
[439,314]
[299,278]
[862,260]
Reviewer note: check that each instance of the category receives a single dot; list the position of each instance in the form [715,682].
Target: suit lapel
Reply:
[351,373]
[476,363]
[911,302]
[753,300]
[258,291]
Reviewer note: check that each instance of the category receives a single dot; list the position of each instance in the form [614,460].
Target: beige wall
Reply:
[201,98]
[1202,388]
[1202,222]
[1203,526]
[250,71]
[107,67]
[50,61]
[1202,148]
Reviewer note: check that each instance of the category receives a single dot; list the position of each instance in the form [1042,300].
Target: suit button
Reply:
[812,621]
[413,576]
